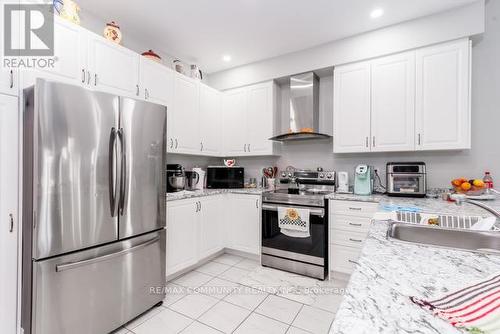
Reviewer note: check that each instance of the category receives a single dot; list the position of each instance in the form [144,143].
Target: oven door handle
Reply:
[312,211]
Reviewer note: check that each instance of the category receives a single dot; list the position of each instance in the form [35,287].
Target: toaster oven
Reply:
[406,179]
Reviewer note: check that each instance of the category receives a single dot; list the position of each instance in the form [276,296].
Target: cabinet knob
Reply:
[171,143]
[257,203]
[373,141]
[176,143]
[83,75]
[137,90]
[419,139]
[95,79]
[88,77]
[245,147]
[366,141]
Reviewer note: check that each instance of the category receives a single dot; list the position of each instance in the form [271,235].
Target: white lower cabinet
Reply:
[9,125]
[210,232]
[182,234]
[349,224]
[243,222]
[200,227]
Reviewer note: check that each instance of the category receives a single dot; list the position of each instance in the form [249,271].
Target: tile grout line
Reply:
[251,312]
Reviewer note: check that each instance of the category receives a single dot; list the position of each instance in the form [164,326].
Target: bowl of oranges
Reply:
[473,187]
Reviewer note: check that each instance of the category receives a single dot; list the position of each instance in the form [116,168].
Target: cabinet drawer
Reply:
[350,223]
[354,208]
[343,259]
[347,238]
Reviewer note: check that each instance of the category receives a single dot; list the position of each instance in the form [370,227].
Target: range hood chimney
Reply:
[303,122]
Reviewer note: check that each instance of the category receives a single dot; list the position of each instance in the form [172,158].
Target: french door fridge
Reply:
[93,209]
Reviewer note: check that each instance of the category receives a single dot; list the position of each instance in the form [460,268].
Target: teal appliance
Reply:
[363,180]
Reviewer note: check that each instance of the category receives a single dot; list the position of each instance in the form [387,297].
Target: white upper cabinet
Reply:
[9,218]
[393,103]
[351,108]
[234,112]
[70,51]
[185,117]
[442,96]
[249,118]
[8,78]
[156,82]
[113,68]
[210,120]
[417,100]
[259,118]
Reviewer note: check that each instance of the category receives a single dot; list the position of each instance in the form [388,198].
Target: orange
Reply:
[478,183]
[456,182]
[466,186]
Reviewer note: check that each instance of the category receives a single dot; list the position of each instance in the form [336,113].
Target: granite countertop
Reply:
[426,204]
[389,272]
[431,205]
[211,192]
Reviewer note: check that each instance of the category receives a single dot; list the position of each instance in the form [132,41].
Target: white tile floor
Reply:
[232,294]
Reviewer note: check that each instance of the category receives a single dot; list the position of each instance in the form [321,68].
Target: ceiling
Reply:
[202,31]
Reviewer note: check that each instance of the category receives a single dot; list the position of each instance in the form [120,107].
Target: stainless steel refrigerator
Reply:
[93,209]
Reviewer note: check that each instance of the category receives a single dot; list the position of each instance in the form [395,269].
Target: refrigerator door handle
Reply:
[72,265]
[123,172]
[112,176]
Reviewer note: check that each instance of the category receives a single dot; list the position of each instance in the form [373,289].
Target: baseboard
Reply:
[194,266]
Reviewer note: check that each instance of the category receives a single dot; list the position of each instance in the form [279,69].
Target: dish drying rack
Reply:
[445,221]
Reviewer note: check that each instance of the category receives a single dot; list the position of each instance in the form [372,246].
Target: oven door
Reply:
[402,183]
[310,250]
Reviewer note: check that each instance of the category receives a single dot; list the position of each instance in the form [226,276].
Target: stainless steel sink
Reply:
[476,241]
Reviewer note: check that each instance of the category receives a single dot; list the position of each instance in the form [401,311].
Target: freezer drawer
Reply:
[98,290]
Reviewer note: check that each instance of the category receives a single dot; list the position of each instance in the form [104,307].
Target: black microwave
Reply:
[220,177]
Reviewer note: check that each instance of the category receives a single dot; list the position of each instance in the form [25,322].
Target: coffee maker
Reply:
[363,180]
[176,178]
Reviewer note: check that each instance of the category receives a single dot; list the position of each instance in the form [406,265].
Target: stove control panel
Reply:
[309,176]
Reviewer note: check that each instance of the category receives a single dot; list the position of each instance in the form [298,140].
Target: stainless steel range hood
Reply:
[303,120]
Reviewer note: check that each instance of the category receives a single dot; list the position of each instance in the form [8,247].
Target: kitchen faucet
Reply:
[460,199]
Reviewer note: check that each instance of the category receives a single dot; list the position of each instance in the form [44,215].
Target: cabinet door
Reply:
[114,68]
[8,77]
[156,82]
[234,108]
[393,103]
[243,223]
[210,120]
[259,119]
[8,212]
[70,51]
[351,108]
[182,235]
[210,226]
[442,96]
[185,116]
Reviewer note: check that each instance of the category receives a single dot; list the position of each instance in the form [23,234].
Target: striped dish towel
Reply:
[474,309]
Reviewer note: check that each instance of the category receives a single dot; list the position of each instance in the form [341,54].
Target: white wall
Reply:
[96,24]
[454,24]
[442,166]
